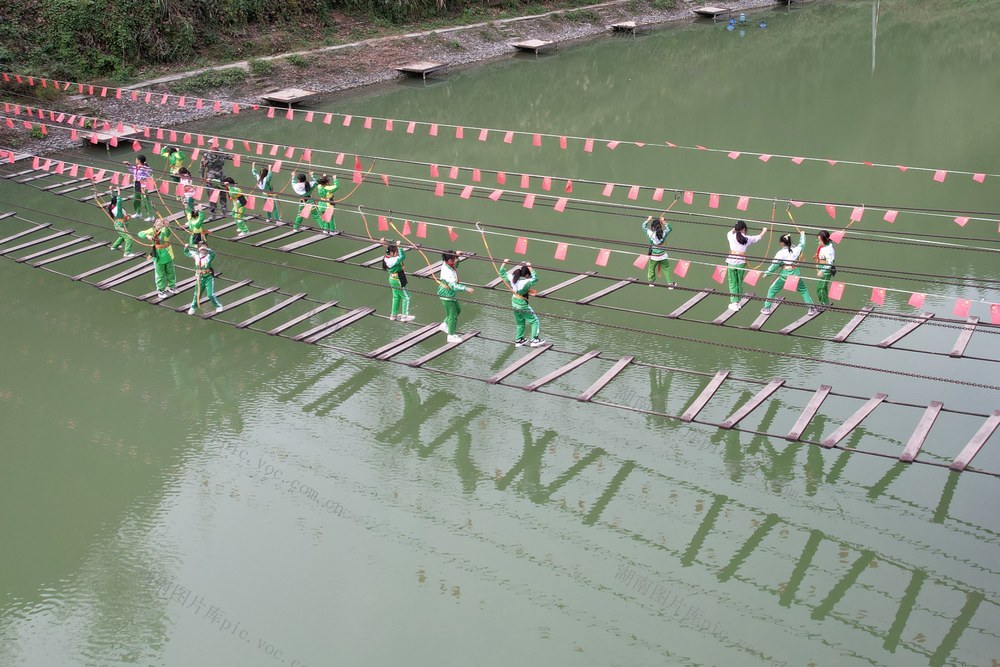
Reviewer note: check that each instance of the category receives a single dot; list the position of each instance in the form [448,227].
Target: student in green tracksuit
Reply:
[304,187]
[520,281]
[205,287]
[175,160]
[325,190]
[825,269]
[117,210]
[657,230]
[786,260]
[266,190]
[141,173]
[196,225]
[163,258]
[239,205]
[393,263]
[448,285]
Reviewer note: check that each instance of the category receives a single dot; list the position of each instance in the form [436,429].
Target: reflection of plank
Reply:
[706,395]
[562,370]
[905,330]
[71,253]
[920,433]
[434,354]
[517,365]
[270,311]
[726,314]
[606,291]
[964,337]
[809,412]
[246,299]
[853,324]
[805,319]
[978,440]
[854,420]
[753,403]
[320,332]
[301,318]
[610,375]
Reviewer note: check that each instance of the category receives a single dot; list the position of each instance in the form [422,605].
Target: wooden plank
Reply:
[429,269]
[13,237]
[103,267]
[493,283]
[434,354]
[363,251]
[422,68]
[222,292]
[336,324]
[606,291]
[535,46]
[854,420]
[726,314]
[8,214]
[906,329]
[243,300]
[608,376]
[751,405]
[85,182]
[809,412]
[368,263]
[28,244]
[978,440]
[18,173]
[51,249]
[802,321]
[154,298]
[65,255]
[59,185]
[125,276]
[283,235]
[301,318]
[408,341]
[920,433]
[562,370]
[270,311]
[249,235]
[964,337]
[303,243]
[762,318]
[388,346]
[289,96]
[342,322]
[517,365]
[705,396]
[222,227]
[566,283]
[690,303]
[853,324]
[36,177]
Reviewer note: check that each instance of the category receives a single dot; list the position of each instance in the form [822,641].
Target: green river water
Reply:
[175,491]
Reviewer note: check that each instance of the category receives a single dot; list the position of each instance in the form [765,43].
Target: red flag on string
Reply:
[136,146]
[307,155]
[917,299]
[388,125]
[309,116]
[602,257]
[561,204]
[358,177]
[357,163]
[529,200]
[260,149]
[658,194]
[633,192]
[421,230]
[562,143]
[713,200]
[961,308]
[466,192]
[569,186]
[734,154]
[434,171]
[521,246]
[940,175]
[439,189]
[433,131]
[878,295]
[289,152]
[831,210]
[306,211]
[252,203]
[236,160]
[459,132]
[270,112]
[368,123]
[641,261]
[164,187]
[798,160]
[546,183]
[890,215]
[608,189]
[340,159]
[178,190]
[682,268]
[836,290]
[525,181]
[217,105]
[453,172]
[452,234]
[831,162]
[268,205]
[508,137]
[327,119]
[410,127]
[764,157]
[536,140]
[752,277]
[588,146]
[347,120]
[792,283]
[688,197]
[195,153]
[198,192]
[483,134]
[961,221]
[126,178]
[837,236]
[495,195]
[385,179]
[719,274]
[290,114]
[406,228]
[979,178]
[274,151]
[501,177]
[613,145]
[383,223]
[856,213]
[198,103]
[742,203]
[561,249]
[276,167]
[995,313]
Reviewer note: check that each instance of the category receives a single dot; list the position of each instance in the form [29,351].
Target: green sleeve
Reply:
[771,270]
[666,229]
[187,251]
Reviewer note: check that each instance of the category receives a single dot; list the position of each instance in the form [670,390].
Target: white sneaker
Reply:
[392,318]
[173,290]
[191,311]
[812,310]
[671,285]
[734,306]
[766,311]
[163,295]
[454,338]
[129,255]
[407,318]
[520,342]
[242,234]
[443,328]
[150,219]
[536,342]
[219,309]
[134,216]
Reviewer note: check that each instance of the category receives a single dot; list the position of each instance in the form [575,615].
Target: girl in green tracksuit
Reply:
[657,230]
[205,287]
[117,210]
[175,161]
[163,258]
[325,190]
[520,281]
[239,205]
[393,263]
[786,260]
[825,269]
[196,225]
[304,187]
[448,285]
[263,178]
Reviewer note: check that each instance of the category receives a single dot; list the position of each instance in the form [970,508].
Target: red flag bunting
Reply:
[508,137]
[439,189]
[421,230]
[961,308]
[521,246]
[496,194]
[831,210]
[383,224]
[588,146]
[501,178]
[878,295]
[682,268]
[453,172]
[459,132]
[608,189]
[452,235]
[658,194]
[633,192]
[525,181]
[641,261]
[410,127]
[483,134]
[792,283]
[752,277]
[561,204]
[713,201]
[536,140]
[466,192]
[890,215]
[719,274]
[561,249]
[529,200]
[940,175]
[742,203]
[917,299]
[602,257]
[688,197]
[836,290]
[961,221]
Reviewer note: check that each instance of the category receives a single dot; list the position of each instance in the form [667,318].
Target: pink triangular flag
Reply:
[561,249]
[890,215]
[529,200]
[641,261]
[439,189]
[742,203]
[837,236]
[495,195]
[608,189]
[383,223]
[836,290]
[560,204]
[508,137]
[521,246]
[856,213]
[406,228]
[633,192]
[385,179]
[719,274]
[682,268]
[792,283]
[309,116]
[734,154]
[613,145]
[940,175]
[252,203]
[713,201]
[917,299]
[466,192]
[764,157]
[752,277]
[307,155]
[831,210]
[452,234]
[878,295]
[798,160]
[347,121]
[961,221]
[421,230]
[688,197]
[979,178]
[289,152]
[136,146]
[164,187]
[569,186]
[831,162]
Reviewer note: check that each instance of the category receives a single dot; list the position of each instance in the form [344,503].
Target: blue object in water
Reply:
[763,25]
[730,27]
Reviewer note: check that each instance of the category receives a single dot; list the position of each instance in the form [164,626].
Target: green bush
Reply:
[297,60]
[218,78]
[261,67]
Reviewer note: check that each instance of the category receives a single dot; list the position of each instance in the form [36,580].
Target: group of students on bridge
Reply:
[520,279]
